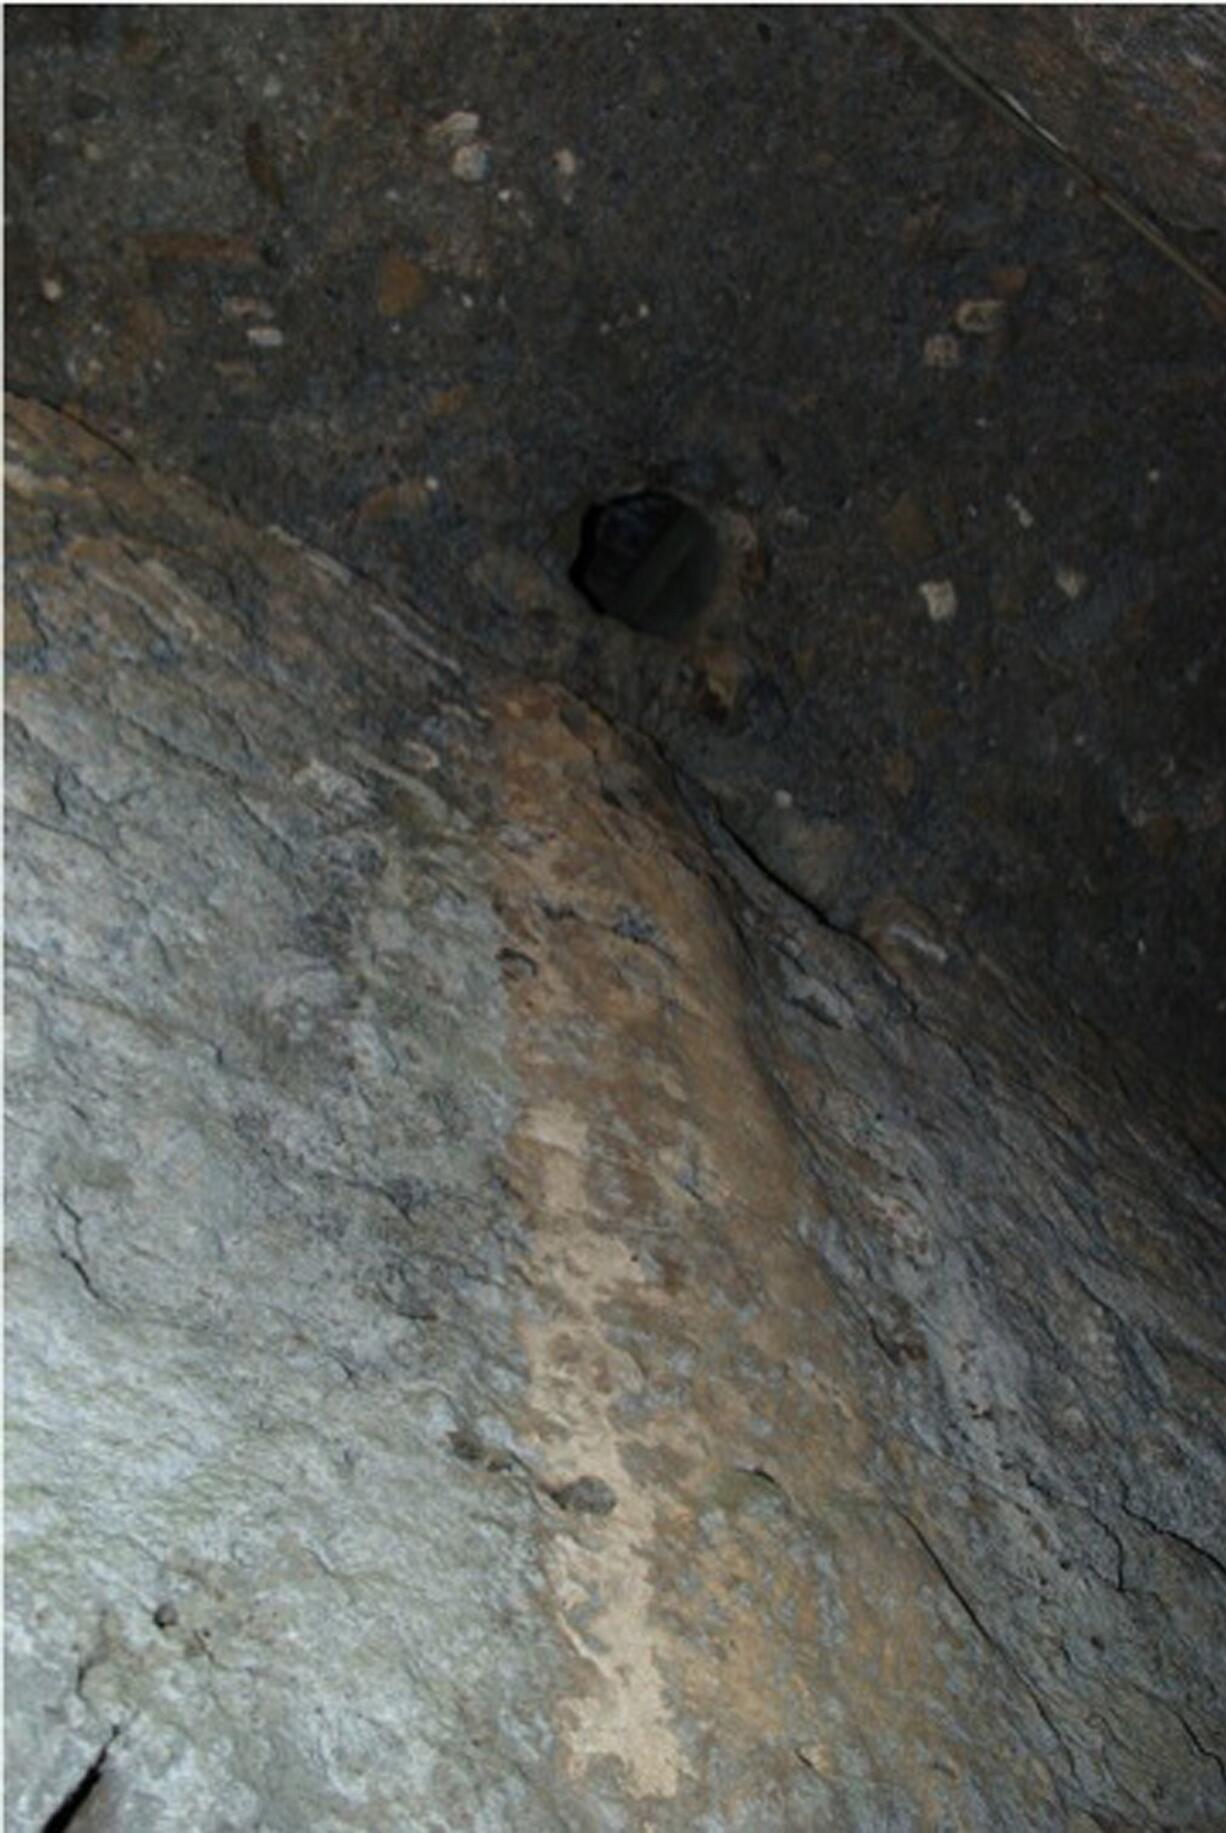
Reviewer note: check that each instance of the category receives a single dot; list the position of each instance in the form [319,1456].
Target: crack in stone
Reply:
[66,1813]
[1002,1654]
[62,833]
[1002,103]
[1203,1750]
[78,1260]
[1173,1534]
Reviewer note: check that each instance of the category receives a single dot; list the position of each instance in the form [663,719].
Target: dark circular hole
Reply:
[650,560]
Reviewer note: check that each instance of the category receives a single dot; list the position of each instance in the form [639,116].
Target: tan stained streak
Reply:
[635,1068]
[604,1578]
[682,1333]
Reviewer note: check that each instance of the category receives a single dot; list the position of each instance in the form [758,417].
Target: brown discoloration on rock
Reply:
[720,680]
[1163,835]
[899,773]
[199,250]
[908,531]
[19,631]
[1010,281]
[41,436]
[445,402]
[393,500]
[140,46]
[261,165]
[639,1082]
[141,338]
[720,1407]
[400,287]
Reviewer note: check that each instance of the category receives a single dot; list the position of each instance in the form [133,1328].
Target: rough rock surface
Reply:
[513,1321]
[414,282]
[1135,91]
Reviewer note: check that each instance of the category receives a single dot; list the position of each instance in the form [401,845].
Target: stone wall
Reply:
[513,1321]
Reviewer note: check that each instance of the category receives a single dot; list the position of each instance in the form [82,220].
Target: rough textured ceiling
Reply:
[960,429]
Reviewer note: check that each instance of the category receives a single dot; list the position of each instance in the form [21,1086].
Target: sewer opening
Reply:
[650,560]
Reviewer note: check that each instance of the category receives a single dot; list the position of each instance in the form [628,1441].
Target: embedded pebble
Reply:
[266,337]
[419,756]
[1071,581]
[52,289]
[566,167]
[471,162]
[896,929]
[457,129]
[457,133]
[587,1495]
[979,317]
[1020,511]
[942,351]
[940,599]
[241,305]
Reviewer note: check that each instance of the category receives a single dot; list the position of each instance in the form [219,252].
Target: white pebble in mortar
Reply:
[457,129]
[979,317]
[471,163]
[940,599]
[942,351]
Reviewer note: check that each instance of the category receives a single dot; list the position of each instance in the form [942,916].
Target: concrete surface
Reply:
[418,283]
